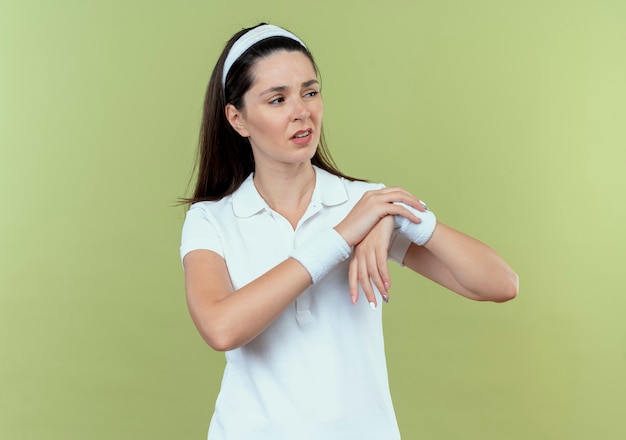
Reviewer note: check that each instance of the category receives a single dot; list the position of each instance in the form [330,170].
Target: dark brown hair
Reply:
[224,158]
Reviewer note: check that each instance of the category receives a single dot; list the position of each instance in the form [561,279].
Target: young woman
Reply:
[278,246]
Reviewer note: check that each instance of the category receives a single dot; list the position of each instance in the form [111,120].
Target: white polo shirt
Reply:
[318,371]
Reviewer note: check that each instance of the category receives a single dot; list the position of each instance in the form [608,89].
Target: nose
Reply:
[300,112]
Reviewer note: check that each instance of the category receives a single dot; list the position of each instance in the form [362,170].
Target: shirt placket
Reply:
[303,302]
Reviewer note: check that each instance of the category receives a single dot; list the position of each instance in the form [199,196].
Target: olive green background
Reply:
[507,117]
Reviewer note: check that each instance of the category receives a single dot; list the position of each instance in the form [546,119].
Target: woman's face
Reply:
[282,111]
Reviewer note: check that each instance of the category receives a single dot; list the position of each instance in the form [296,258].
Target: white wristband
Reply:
[418,233]
[321,253]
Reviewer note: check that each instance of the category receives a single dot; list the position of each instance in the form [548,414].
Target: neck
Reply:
[287,191]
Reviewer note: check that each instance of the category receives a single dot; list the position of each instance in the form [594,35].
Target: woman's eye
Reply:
[311,93]
[277,100]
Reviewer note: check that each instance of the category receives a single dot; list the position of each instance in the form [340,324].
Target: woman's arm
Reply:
[464,265]
[228,319]
[444,255]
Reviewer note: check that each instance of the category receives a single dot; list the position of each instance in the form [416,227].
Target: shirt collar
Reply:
[246,199]
[329,191]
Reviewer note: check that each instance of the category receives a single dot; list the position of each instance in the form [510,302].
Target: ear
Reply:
[236,120]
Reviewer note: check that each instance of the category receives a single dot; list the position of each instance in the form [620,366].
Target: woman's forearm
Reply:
[465,265]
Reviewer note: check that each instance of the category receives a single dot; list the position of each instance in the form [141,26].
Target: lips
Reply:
[302,134]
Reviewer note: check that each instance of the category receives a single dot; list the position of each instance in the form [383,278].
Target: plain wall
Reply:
[508,118]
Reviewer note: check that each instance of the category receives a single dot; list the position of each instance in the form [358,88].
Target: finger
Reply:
[390,195]
[383,270]
[366,285]
[374,274]
[404,212]
[421,206]
[411,200]
[353,273]
[401,195]
[398,197]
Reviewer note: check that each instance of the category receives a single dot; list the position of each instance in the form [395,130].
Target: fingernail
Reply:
[424,205]
[372,306]
[387,285]
[385,298]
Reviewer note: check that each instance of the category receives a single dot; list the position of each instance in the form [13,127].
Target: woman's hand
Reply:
[373,206]
[369,263]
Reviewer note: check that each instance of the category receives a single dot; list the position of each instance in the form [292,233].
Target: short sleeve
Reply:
[199,232]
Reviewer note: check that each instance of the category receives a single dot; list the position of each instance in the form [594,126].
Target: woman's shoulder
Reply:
[334,189]
[210,205]
[210,208]
[363,185]
[360,185]
[350,184]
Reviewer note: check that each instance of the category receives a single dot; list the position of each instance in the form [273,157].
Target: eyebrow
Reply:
[283,88]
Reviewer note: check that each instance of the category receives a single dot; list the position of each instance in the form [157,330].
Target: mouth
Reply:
[302,134]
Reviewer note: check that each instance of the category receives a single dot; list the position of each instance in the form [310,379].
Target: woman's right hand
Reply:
[373,206]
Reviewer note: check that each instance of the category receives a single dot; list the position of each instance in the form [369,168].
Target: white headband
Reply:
[250,38]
